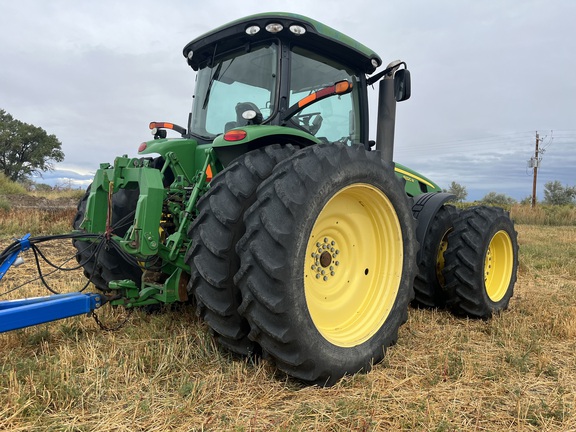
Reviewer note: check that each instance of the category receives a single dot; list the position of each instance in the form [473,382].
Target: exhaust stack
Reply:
[391,90]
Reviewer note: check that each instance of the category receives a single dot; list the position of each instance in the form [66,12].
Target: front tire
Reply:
[104,264]
[328,262]
[482,262]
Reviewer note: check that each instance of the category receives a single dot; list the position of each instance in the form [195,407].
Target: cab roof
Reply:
[317,37]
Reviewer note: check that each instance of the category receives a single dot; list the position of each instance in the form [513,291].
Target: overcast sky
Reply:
[486,75]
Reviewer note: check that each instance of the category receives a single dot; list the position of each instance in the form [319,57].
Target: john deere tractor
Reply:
[296,236]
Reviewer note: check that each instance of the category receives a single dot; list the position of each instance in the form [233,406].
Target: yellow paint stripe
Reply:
[409,174]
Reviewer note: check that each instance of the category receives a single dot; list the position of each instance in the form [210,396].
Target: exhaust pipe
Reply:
[387,96]
[386,119]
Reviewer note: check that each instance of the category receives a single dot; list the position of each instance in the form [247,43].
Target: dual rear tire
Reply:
[469,261]
[327,262]
[481,262]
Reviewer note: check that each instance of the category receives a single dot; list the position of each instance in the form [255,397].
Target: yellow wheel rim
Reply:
[353,265]
[440,261]
[498,266]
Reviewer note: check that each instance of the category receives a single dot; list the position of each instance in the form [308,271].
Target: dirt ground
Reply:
[42,203]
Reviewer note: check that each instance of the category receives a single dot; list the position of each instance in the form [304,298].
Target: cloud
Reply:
[65,178]
[486,76]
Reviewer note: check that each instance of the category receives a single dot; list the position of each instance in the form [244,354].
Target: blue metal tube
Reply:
[7,263]
[15,314]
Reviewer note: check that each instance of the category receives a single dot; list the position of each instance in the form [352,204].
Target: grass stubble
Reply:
[163,371]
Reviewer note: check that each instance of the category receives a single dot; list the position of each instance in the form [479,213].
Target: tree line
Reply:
[554,194]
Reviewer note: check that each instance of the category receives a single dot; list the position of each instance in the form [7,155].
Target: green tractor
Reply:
[296,237]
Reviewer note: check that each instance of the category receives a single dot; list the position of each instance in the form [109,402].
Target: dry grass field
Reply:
[163,372]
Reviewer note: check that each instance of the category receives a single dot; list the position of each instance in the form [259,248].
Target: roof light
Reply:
[375,63]
[190,54]
[274,27]
[235,135]
[252,30]
[142,147]
[297,29]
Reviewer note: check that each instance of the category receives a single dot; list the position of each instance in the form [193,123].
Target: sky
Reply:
[486,76]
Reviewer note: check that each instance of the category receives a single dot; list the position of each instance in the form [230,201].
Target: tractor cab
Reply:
[280,70]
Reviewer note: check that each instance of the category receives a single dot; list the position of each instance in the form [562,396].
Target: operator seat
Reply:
[241,107]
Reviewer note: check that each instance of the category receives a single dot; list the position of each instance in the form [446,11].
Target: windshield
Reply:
[235,83]
[333,118]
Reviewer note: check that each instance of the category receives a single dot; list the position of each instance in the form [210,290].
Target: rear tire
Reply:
[212,258]
[429,284]
[482,262]
[328,262]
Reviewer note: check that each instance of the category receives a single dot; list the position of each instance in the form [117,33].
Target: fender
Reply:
[424,208]
[241,140]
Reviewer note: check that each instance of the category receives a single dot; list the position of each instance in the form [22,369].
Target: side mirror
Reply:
[402,89]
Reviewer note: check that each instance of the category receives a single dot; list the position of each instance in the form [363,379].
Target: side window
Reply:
[221,112]
[236,81]
[333,118]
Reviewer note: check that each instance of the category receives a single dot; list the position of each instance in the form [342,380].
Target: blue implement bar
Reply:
[15,314]
[7,263]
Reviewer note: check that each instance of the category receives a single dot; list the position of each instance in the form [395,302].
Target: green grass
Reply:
[8,187]
[552,215]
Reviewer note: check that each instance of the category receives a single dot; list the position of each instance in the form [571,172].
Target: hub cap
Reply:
[353,265]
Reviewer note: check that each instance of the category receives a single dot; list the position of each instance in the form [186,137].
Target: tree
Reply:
[458,190]
[26,149]
[556,194]
[494,198]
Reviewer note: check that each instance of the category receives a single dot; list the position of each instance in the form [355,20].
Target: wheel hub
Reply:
[325,263]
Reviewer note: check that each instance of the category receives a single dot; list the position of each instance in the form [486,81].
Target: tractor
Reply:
[296,236]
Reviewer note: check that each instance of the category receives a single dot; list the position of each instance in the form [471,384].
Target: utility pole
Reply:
[535,162]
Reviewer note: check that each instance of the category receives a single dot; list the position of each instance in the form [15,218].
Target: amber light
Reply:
[341,87]
[209,173]
[158,125]
[142,147]
[235,135]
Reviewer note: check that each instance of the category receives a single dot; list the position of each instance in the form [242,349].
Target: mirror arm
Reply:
[391,68]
